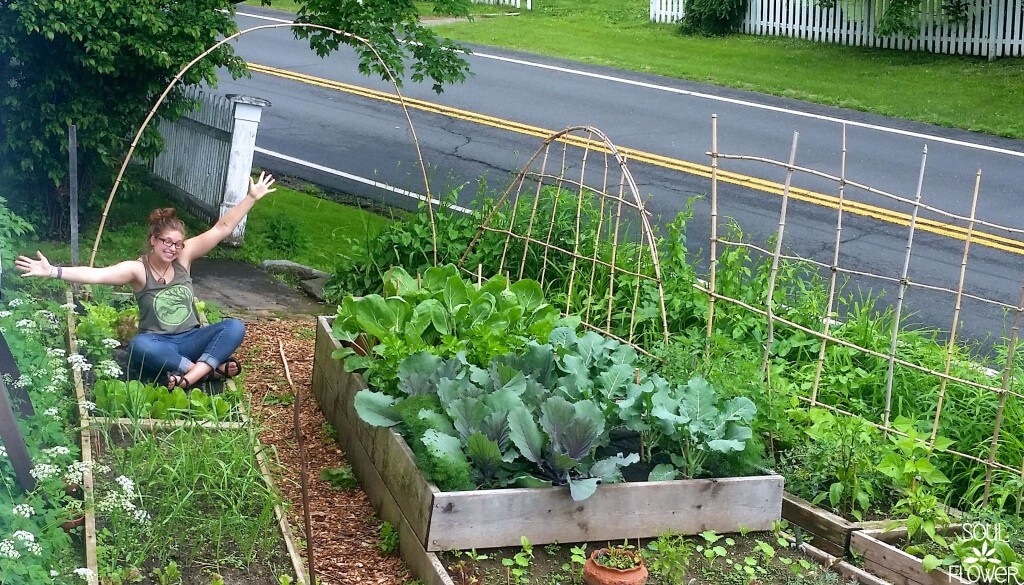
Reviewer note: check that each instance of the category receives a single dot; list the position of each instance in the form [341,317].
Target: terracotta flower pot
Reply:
[72,524]
[597,574]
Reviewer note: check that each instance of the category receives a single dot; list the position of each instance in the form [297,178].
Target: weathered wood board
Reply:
[495,518]
[830,532]
[894,565]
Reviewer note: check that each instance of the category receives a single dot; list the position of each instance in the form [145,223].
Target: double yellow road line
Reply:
[978,237]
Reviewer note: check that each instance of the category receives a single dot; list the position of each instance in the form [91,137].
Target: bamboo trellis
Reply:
[612,239]
[914,223]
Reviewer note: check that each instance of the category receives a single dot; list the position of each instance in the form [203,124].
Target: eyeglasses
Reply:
[169,243]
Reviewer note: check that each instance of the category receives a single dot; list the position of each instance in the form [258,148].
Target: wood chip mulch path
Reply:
[345,527]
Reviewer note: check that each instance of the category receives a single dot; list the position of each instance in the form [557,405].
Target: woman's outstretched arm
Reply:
[128,272]
[204,242]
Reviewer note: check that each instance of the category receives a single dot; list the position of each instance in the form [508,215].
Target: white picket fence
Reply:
[995,28]
[515,3]
[197,149]
[207,155]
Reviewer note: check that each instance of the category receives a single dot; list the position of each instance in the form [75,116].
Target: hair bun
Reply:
[164,214]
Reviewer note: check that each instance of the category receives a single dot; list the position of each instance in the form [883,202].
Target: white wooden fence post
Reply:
[248,111]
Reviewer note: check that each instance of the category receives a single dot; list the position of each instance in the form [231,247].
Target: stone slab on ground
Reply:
[243,288]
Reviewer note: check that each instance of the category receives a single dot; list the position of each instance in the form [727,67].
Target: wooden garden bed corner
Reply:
[889,562]
[829,532]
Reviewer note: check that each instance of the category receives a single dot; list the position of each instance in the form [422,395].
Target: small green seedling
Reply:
[340,478]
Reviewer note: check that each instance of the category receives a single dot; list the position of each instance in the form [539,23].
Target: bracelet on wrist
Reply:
[60,273]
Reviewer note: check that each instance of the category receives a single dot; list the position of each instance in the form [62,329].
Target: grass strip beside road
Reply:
[953,91]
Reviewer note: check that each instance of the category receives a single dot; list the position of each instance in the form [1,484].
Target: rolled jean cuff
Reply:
[184,365]
[209,359]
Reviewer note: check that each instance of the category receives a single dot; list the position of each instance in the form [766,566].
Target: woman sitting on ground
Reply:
[170,338]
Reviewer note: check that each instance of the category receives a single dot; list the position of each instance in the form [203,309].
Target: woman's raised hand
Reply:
[257,189]
[30,267]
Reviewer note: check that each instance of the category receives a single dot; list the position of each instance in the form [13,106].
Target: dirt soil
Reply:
[344,527]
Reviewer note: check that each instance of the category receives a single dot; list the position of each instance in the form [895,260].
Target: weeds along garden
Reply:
[131,483]
[518,344]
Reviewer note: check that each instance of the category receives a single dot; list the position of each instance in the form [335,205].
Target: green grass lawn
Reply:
[287,224]
[952,91]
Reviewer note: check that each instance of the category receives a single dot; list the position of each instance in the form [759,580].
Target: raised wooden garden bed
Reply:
[439,520]
[892,564]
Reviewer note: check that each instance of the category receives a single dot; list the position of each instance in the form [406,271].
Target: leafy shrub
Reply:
[713,17]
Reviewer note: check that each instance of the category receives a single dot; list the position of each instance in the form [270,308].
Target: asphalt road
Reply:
[368,137]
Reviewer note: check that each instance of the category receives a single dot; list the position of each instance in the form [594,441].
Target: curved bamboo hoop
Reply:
[217,45]
[613,199]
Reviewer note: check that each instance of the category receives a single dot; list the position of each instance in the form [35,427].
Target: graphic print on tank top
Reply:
[173,305]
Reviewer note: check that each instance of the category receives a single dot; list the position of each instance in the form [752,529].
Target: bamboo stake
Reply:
[948,230]
[951,345]
[902,292]
[833,277]
[533,216]
[775,257]
[217,45]
[864,350]
[615,254]
[597,240]
[576,236]
[714,233]
[554,214]
[1007,377]
[304,475]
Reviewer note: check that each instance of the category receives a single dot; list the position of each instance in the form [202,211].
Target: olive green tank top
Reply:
[167,308]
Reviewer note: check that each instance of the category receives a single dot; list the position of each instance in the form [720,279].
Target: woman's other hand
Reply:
[30,267]
[257,189]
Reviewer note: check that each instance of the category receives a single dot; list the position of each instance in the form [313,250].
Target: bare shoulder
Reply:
[131,272]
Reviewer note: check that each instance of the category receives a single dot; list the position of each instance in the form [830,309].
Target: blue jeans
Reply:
[152,354]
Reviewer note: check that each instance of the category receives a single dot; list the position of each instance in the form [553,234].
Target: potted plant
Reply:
[615,565]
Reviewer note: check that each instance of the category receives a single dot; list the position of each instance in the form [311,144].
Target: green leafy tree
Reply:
[101,64]
[394,28]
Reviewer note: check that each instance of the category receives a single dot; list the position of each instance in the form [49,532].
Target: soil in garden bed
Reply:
[345,528]
[731,559]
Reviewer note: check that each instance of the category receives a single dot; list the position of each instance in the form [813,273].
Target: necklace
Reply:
[159,279]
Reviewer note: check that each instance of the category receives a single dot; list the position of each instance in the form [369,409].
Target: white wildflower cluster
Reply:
[23,510]
[44,471]
[123,499]
[28,540]
[89,405]
[53,411]
[57,450]
[68,306]
[15,303]
[78,363]
[5,314]
[126,484]
[55,352]
[51,320]
[21,382]
[84,572]
[58,374]
[76,471]
[109,368]
[110,343]
[3,451]
[25,324]
[7,549]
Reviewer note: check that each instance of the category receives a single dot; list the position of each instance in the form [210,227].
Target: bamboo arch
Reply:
[217,45]
[612,242]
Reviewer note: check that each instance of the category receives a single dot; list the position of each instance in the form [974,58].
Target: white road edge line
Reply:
[733,101]
[357,178]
